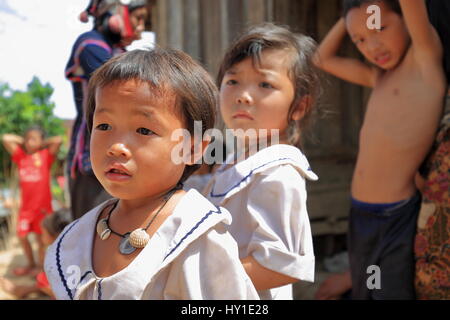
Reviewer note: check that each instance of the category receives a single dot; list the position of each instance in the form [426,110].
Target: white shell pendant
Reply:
[139,238]
[105,234]
[125,247]
[102,230]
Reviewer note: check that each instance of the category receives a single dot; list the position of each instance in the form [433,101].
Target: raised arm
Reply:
[348,69]
[426,44]
[53,144]
[11,142]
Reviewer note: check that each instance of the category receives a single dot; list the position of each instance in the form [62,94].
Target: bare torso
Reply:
[398,130]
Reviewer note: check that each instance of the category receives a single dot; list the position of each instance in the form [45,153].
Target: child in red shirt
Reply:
[34,157]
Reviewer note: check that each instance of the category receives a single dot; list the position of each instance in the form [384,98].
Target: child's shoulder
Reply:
[282,163]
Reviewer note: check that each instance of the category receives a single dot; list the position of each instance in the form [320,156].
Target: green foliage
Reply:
[22,109]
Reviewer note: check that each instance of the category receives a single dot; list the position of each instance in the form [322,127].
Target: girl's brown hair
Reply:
[304,75]
[169,74]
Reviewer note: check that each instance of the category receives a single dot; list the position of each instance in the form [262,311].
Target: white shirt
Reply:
[191,256]
[266,196]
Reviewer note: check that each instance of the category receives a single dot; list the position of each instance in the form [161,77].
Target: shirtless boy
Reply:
[400,123]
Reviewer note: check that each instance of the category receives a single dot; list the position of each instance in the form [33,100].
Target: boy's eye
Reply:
[359,41]
[266,85]
[103,127]
[144,131]
[231,82]
[381,29]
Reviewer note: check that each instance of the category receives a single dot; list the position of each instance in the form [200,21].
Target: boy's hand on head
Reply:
[11,142]
[348,69]
[53,144]
[426,44]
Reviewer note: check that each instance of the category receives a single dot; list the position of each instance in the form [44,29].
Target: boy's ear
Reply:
[198,148]
[301,108]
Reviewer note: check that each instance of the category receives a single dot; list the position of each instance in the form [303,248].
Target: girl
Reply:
[267,82]
[153,240]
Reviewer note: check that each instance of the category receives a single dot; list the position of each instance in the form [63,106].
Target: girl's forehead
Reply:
[269,59]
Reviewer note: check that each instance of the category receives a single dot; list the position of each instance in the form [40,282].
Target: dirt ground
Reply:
[10,258]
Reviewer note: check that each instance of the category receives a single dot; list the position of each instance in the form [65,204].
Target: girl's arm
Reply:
[264,278]
[53,144]
[11,142]
[348,69]
[426,44]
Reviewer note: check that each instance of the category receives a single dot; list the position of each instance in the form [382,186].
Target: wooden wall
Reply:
[204,29]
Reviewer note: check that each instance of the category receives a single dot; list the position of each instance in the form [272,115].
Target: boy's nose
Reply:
[119,150]
[373,45]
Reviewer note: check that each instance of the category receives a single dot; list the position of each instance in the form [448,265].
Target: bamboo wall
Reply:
[204,29]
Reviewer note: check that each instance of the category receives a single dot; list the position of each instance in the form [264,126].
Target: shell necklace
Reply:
[130,240]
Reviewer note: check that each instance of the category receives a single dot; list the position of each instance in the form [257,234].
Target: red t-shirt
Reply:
[34,178]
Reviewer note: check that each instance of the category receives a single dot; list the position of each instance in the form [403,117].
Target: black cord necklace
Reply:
[131,240]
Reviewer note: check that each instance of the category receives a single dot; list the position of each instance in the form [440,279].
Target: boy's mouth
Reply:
[382,59]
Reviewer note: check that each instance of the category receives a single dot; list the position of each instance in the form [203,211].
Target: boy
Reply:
[34,157]
[399,127]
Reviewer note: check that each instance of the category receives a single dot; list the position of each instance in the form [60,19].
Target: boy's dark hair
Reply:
[168,73]
[304,75]
[35,128]
[348,5]
[56,222]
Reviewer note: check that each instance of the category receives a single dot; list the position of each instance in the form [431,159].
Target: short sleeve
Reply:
[210,269]
[282,239]
[17,155]
[92,57]
[49,156]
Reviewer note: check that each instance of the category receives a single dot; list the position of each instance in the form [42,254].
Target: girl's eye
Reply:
[231,82]
[381,29]
[144,131]
[266,85]
[103,127]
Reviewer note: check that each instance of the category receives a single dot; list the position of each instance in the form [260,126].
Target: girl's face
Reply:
[131,141]
[385,47]
[258,98]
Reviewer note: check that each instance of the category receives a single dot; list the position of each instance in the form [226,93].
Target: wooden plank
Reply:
[175,24]
[191,28]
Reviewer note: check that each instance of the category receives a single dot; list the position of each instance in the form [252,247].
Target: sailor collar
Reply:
[193,216]
[240,175]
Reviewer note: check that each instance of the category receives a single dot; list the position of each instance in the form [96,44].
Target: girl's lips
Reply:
[242,115]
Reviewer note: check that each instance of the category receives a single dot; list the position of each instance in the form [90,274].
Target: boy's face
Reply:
[131,141]
[385,47]
[33,141]
[258,98]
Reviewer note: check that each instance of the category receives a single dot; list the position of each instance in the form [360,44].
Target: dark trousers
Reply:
[386,240]
[85,194]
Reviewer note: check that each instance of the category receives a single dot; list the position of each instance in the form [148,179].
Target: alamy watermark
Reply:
[374,280]
[374,21]
[243,143]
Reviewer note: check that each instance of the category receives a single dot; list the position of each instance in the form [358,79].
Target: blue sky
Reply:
[36,38]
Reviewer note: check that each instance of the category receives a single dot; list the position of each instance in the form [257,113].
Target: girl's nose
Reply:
[244,97]
[119,150]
